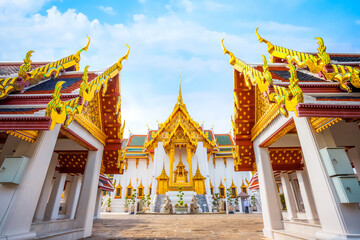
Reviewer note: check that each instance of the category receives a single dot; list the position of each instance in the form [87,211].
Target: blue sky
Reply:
[167,35]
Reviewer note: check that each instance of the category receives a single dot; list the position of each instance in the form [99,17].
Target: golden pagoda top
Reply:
[180,128]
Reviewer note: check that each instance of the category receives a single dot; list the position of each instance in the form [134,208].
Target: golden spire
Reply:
[180,99]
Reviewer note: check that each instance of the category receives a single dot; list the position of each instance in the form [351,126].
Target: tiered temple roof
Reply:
[36,96]
[318,85]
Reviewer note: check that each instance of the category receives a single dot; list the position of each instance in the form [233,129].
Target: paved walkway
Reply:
[200,226]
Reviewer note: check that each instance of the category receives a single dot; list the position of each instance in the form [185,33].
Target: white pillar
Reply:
[337,219]
[67,188]
[354,156]
[289,196]
[17,220]
[307,196]
[73,198]
[88,194]
[241,205]
[52,208]
[271,209]
[98,204]
[45,193]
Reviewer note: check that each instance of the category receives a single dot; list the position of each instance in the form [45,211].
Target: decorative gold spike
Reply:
[58,111]
[318,63]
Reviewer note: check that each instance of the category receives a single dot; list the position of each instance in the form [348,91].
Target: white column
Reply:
[73,198]
[307,196]
[88,194]
[67,188]
[289,196]
[52,208]
[354,156]
[241,205]
[98,204]
[337,220]
[16,222]
[271,209]
[45,193]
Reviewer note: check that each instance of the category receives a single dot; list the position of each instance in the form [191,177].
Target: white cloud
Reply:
[139,17]
[357,22]
[142,1]
[159,46]
[185,4]
[107,10]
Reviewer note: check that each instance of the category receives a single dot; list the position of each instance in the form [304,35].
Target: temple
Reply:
[296,122]
[179,154]
[60,134]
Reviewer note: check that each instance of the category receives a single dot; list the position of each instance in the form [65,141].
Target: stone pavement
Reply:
[199,226]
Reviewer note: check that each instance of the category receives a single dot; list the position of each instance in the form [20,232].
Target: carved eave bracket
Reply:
[60,111]
[286,98]
[319,64]
[26,77]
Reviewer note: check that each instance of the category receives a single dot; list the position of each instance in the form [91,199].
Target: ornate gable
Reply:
[179,128]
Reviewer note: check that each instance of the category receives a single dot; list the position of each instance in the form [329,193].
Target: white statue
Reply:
[194,207]
[166,207]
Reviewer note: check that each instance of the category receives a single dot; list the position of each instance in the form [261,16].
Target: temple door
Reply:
[199,186]
[162,186]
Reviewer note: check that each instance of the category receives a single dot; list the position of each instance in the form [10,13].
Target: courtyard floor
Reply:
[200,226]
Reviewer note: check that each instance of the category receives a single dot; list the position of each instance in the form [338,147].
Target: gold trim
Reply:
[316,63]
[278,135]
[321,123]
[53,69]
[88,125]
[271,114]
[27,135]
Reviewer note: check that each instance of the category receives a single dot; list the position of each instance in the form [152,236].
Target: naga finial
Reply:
[118,63]
[269,44]
[322,47]
[77,54]
[24,68]
[232,56]
[87,45]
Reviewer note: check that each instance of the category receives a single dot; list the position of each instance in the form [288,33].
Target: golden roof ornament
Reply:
[180,101]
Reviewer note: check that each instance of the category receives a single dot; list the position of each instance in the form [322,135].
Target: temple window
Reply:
[244,190]
[118,192]
[128,192]
[233,192]
[233,189]
[118,189]
[222,192]
[140,190]
[150,190]
[141,193]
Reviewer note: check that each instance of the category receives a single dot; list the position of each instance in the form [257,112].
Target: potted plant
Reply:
[108,208]
[126,204]
[236,202]
[229,201]
[147,201]
[133,201]
[180,207]
[215,202]
[253,203]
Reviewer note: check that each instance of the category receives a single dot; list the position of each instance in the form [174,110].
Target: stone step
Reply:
[285,235]
[301,227]
[159,201]
[201,201]
[64,234]
[44,227]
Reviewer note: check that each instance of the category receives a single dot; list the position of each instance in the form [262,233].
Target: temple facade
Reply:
[296,122]
[179,154]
